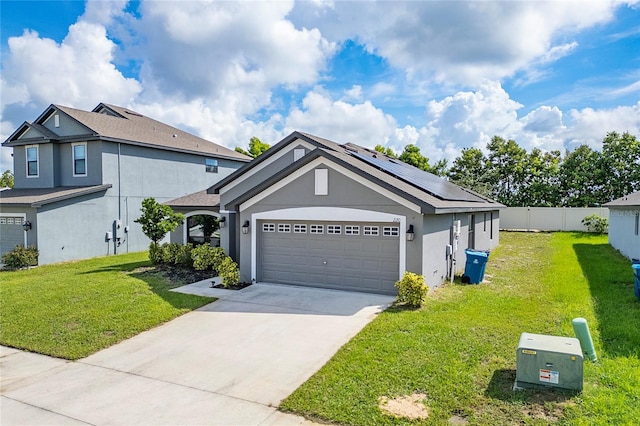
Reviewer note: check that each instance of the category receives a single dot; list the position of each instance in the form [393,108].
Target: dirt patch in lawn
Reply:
[408,406]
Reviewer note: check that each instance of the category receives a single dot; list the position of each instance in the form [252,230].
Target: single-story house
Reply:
[314,212]
[624,224]
[80,177]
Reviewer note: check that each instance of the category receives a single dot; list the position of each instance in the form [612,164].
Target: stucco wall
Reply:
[46,162]
[622,231]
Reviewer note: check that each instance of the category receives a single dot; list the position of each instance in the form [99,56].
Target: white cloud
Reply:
[460,42]
[361,123]
[591,126]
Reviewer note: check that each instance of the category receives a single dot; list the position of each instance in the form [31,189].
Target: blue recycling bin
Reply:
[475,266]
[636,272]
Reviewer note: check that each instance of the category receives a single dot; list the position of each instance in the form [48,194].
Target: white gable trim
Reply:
[328,214]
[283,151]
[338,168]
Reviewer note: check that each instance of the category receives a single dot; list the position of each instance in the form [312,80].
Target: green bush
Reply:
[411,289]
[228,271]
[21,257]
[183,258]
[155,253]
[206,257]
[596,224]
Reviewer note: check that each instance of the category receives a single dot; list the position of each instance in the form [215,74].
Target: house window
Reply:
[284,227]
[391,231]
[79,151]
[3,220]
[491,225]
[484,223]
[351,230]
[334,229]
[298,153]
[211,165]
[268,227]
[637,223]
[300,228]
[373,231]
[471,238]
[316,229]
[32,161]
[322,181]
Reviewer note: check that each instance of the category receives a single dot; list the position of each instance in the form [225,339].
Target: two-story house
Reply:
[80,177]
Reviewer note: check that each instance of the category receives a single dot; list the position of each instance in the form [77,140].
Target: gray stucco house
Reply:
[624,224]
[313,212]
[80,177]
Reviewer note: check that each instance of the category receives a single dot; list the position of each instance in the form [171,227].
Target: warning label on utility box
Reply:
[549,376]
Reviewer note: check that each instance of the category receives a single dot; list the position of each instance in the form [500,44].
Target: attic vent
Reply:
[349,148]
[132,113]
[175,136]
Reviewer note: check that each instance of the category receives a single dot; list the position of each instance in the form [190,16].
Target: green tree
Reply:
[469,170]
[157,219]
[386,151]
[582,178]
[506,164]
[540,187]
[412,155]
[6,181]
[621,165]
[256,148]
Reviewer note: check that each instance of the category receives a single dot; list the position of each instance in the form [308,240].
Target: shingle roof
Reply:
[197,199]
[36,197]
[631,200]
[350,155]
[127,126]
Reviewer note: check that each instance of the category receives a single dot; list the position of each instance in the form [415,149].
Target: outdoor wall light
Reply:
[222,221]
[410,233]
[26,225]
[245,227]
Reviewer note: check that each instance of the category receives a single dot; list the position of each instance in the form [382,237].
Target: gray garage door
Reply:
[349,255]
[11,233]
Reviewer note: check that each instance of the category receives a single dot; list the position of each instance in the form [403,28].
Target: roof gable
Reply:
[631,200]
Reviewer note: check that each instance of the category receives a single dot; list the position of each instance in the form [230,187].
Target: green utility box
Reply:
[548,362]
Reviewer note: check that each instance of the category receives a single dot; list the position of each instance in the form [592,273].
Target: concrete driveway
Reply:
[229,363]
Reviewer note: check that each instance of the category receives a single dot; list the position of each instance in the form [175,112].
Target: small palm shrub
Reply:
[412,290]
[596,223]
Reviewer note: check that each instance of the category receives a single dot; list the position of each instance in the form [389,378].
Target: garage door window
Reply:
[334,229]
[373,231]
[268,227]
[284,227]
[351,230]
[391,231]
[299,228]
[317,229]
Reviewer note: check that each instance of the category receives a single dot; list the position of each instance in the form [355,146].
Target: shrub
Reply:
[183,258]
[596,223]
[21,257]
[206,257]
[228,271]
[155,253]
[411,289]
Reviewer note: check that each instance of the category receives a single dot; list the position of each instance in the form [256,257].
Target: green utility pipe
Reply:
[581,329]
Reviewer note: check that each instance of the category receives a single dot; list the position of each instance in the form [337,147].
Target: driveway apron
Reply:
[228,363]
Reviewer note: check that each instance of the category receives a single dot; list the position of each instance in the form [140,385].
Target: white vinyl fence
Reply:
[548,218]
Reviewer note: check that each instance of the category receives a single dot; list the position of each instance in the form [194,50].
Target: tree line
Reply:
[514,177]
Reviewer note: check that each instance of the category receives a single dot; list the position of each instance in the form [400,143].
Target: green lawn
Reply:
[459,349]
[71,310]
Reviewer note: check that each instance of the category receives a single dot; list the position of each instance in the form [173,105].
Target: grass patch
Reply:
[459,349]
[71,310]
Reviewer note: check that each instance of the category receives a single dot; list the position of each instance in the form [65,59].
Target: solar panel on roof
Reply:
[429,182]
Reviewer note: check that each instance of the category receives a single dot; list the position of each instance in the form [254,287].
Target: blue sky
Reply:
[442,75]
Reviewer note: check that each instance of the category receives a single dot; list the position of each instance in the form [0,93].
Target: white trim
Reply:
[284,150]
[26,160]
[194,213]
[329,214]
[338,168]
[24,217]
[73,159]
